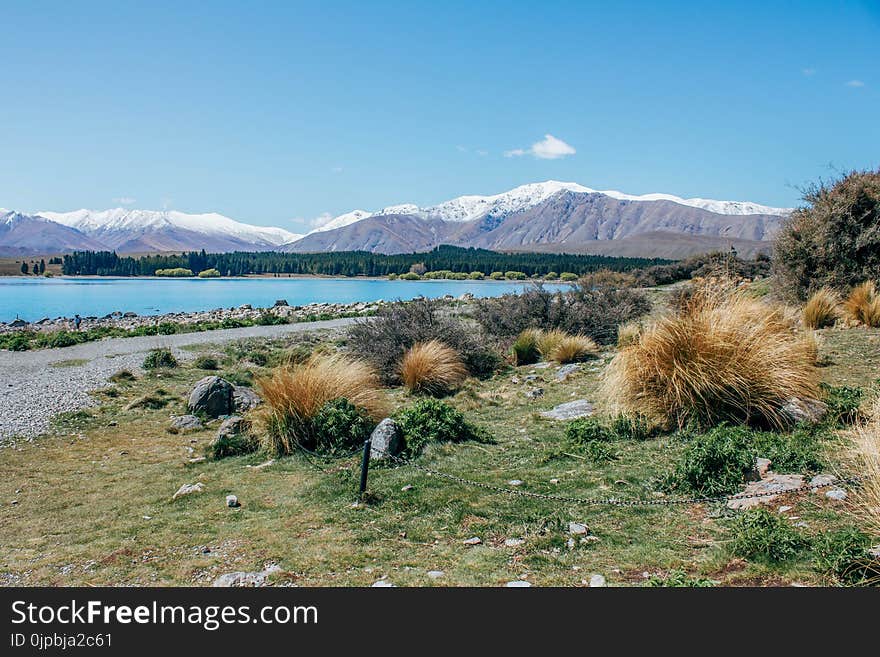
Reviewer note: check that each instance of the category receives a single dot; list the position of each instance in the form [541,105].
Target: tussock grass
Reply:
[432,368]
[822,309]
[525,347]
[628,334]
[573,348]
[863,304]
[722,357]
[294,395]
[867,451]
[548,341]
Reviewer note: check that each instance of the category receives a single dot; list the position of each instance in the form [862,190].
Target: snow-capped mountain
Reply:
[169,230]
[471,207]
[22,234]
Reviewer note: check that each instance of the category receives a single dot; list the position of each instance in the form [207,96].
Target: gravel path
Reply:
[35,387]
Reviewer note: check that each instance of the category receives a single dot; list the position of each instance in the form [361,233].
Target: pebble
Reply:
[578,528]
[407,488]
[435,574]
[188,489]
[837,494]
[518,584]
[513,542]
[784,508]
[382,584]
[232,501]
[597,581]
[516,482]
[475,540]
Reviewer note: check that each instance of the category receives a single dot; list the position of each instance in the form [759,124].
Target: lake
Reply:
[32,299]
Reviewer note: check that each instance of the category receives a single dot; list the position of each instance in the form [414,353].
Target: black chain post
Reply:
[365,468]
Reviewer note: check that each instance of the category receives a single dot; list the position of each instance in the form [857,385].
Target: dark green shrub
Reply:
[843,404]
[159,358]
[631,427]
[843,554]
[233,444]
[765,536]
[598,451]
[525,348]
[231,322]
[679,579]
[205,362]
[270,319]
[341,427]
[155,400]
[240,377]
[715,463]
[586,430]
[431,420]
[796,452]
[166,328]
[18,341]
[58,339]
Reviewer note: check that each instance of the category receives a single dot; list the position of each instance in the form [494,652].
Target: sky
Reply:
[285,113]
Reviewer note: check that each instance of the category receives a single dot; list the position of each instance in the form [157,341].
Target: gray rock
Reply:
[570,410]
[435,574]
[518,584]
[245,399]
[771,486]
[875,551]
[763,467]
[184,423]
[534,393]
[475,540]
[566,371]
[513,542]
[799,410]
[281,302]
[232,501]
[822,480]
[382,584]
[578,528]
[531,377]
[188,489]
[597,581]
[212,396]
[515,482]
[231,426]
[386,440]
[837,494]
[245,579]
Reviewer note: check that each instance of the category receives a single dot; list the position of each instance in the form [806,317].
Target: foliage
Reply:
[844,404]
[397,327]
[340,427]
[525,347]
[206,362]
[209,273]
[430,420]
[160,357]
[844,555]
[679,579]
[631,427]
[122,376]
[175,272]
[598,451]
[234,444]
[267,318]
[833,240]
[822,308]
[764,536]
[432,368]
[714,463]
[863,304]
[722,357]
[586,430]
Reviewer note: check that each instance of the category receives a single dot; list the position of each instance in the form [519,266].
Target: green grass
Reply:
[95,506]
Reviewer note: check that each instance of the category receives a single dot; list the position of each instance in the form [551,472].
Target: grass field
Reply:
[92,504]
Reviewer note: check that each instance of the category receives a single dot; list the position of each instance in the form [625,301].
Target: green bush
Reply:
[234,444]
[598,451]
[843,554]
[551,276]
[476,276]
[631,427]
[431,420]
[209,273]
[60,339]
[410,276]
[341,427]
[843,404]
[497,275]
[679,579]
[587,430]
[166,328]
[764,536]
[715,463]
[525,348]
[175,272]
[270,319]
[159,358]
[797,452]
[18,341]
[515,275]
[205,362]
[568,277]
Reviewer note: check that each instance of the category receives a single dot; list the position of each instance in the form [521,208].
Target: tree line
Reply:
[349,263]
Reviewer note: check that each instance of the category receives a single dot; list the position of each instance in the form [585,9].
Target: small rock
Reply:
[406,488]
[531,377]
[590,539]
[382,584]
[534,393]
[875,551]
[262,466]
[554,481]
[514,380]
[570,544]
[244,399]
[566,370]
[435,574]
[245,579]
[570,410]
[232,501]
[513,542]
[597,581]
[837,494]
[772,485]
[518,584]
[188,489]
[197,459]
[822,480]
[516,482]
[762,466]
[386,440]
[184,423]
[475,540]
[578,529]
[804,410]
[784,508]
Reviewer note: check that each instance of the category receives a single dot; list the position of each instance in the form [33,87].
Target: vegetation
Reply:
[160,357]
[822,308]
[764,536]
[723,357]
[295,395]
[525,347]
[209,273]
[175,272]
[433,421]
[679,579]
[866,452]
[863,304]
[844,404]
[844,555]
[341,427]
[432,368]
[833,240]
[206,362]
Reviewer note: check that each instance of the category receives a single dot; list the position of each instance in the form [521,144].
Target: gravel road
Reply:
[35,387]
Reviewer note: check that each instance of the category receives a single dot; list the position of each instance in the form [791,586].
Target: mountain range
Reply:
[547,216]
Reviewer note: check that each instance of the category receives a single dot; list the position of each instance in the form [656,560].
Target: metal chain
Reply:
[613,501]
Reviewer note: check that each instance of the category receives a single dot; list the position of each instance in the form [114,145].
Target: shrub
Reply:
[765,536]
[61,339]
[205,362]
[410,276]
[586,430]
[844,404]
[267,318]
[796,452]
[175,272]
[18,341]
[234,444]
[548,341]
[679,579]
[515,276]
[832,240]
[598,451]
[383,339]
[844,555]
[209,273]
[715,463]
[157,399]
[568,276]
[723,357]
[497,275]
[822,309]
[551,276]
[293,395]
[393,277]
[476,276]
[160,357]
[431,420]
[340,426]
[863,305]
[525,347]
[432,368]
[631,427]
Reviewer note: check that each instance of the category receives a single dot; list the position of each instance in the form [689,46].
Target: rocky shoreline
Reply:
[245,313]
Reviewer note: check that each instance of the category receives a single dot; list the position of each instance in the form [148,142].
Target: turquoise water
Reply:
[32,299]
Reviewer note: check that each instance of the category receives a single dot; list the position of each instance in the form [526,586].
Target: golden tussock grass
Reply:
[293,395]
[547,341]
[722,357]
[432,368]
[866,498]
[628,334]
[863,304]
[822,309]
[573,348]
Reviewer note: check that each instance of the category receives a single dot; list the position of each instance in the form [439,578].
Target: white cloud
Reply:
[808,71]
[125,200]
[855,83]
[549,148]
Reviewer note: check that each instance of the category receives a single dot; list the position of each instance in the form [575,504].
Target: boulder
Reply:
[281,302]
[245,399]
[188,489]
[799,410]
[770,487]
[570,410]
[386,440]
[212,396]
[231,426]
[184,423]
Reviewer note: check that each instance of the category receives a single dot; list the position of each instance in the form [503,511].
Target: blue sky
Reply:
[276,113]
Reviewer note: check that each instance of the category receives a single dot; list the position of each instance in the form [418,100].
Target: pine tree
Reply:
[24,268]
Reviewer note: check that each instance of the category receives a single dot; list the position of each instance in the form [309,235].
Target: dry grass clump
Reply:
[866,498]
[295,393]
[432,368]
[822,309]
[863,304]
[562,347]
[628,334]
[724,356]
[548,341]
